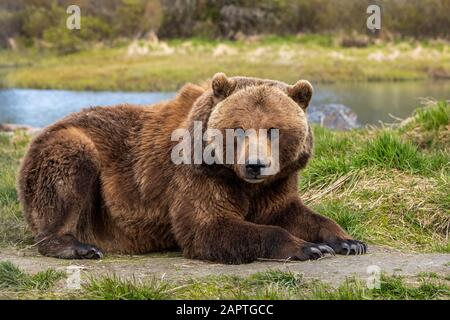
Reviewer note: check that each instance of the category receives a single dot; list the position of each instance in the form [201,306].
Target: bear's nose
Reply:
[254,168]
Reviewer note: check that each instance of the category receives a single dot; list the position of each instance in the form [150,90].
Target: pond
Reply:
[372,102]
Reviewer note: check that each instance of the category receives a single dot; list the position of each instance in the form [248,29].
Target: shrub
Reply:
[93,29]
[62,39]
[38,19]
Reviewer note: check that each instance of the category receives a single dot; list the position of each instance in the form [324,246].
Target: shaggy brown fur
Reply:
[102,180]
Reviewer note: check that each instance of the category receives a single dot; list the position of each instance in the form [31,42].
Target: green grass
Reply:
[435,117]
[391,288]
[388,151]
[271,284]
[275,284]
[13,230]
[429,128]
[288,280]
[167,66]
[116,289]
[13,278]
[351,219]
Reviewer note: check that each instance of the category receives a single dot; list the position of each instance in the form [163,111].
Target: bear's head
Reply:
[255,129]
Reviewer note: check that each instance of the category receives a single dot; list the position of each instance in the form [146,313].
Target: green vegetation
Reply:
[117,47]
[271,284]
[116,289]
[13,229]
[434,118]
[13,278]
[166,66]
[41,23]
[391,288]
[389,152]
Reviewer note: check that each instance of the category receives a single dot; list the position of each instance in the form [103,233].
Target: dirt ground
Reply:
[171,266]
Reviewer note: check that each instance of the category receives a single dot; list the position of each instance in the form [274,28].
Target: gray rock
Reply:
[333,116]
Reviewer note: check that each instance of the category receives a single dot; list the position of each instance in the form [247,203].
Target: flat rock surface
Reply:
[172,266]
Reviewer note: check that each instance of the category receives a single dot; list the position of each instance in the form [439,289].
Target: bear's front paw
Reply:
[348,246]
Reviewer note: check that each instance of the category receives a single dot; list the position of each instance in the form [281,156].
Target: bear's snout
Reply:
[253,168]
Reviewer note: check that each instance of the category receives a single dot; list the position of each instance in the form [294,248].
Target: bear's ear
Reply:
[301,92]
[222,86]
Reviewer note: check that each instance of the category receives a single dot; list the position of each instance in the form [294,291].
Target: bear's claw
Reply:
[316,251]
[349,247]
[88,252]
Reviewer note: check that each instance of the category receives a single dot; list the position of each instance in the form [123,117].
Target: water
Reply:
[375,102]
[39,108]
[372,102]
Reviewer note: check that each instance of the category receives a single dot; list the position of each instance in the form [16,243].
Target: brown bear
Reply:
[103,180]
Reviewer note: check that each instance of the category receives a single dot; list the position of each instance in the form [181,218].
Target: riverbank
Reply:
[166,66]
